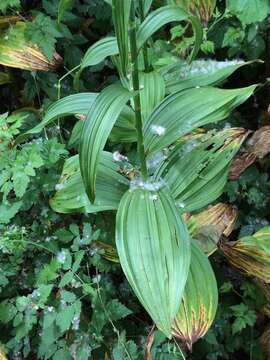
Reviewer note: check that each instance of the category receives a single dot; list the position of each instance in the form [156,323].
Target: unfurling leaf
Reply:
[208,226]
[153,247]
[251,254]
[199,303]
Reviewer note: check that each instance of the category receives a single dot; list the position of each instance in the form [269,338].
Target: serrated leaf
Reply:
[184,111]
[97,127]
[117,310]
[153,247]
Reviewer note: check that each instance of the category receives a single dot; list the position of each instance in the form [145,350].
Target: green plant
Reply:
[155,259]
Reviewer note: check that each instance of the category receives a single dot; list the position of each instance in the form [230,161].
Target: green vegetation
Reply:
[134,179]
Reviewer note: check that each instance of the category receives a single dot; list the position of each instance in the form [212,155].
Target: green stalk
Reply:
[136,88]
[145,53]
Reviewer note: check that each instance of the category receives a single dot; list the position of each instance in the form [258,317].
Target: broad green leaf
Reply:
[184,111]
[197,171]
[249,11]
[99,51]
[180,75]
[71,196]
[69,105]
[199,303]
[164,15]
[152,92]
[63,6]
[158,18]
[153,247]
[124,129]
[120,12]
[97,127]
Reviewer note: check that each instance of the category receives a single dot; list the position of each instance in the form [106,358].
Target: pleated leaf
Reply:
[199,303]
[97,127]
[181,75]
[71,196]
[124,129]
[251,254]
[152,91]
[153,247]
[69,105]
[108,46]
[165,15]
[120,12]
[197,171]
[99,51]
[184,111]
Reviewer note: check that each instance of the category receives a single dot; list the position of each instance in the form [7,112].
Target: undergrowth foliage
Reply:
[134,195]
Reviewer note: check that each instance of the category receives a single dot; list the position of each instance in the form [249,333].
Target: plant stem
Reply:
[145,53]
[136,88]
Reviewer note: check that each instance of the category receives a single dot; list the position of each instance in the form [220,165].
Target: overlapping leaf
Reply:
[199,303]
[197,171]
[71,196]
[97,127]
[153,247]
[184,111]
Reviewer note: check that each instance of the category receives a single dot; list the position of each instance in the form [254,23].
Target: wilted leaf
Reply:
[208,226]
[17,52]
[199,303]
[203,9]
[240,164]
[260,142]
[251,254]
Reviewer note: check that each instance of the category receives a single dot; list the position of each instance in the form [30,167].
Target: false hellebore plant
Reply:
[180,168]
